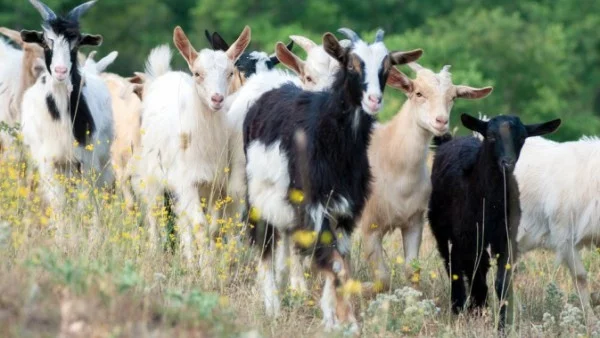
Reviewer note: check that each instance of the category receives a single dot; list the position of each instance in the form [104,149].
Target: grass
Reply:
[102,281]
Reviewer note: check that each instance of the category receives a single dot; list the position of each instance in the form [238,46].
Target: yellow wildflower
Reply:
[89,147]
[352,287]
[254,214]
[433,275]
[399,260]
[507,266]
[296,196]
[454,277]
[416,277]
[326,237]
[378,286]
[305,238]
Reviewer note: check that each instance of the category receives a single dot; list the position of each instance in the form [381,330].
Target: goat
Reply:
[474,207]
[67,118]
[337,125]
[184,147]
[253,88]
[127,114]
[18,71]
[559,198]
[398,158]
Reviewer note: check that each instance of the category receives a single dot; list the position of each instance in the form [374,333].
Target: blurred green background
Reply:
[542,56]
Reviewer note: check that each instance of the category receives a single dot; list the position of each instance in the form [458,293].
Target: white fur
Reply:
[328,303]
[268,184]
[560,200]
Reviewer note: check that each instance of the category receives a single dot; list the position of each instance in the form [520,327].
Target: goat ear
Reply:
[184,46]
[138,89]
[32,37]
[239,46]
[137,78]
[289,59]
[332,47]
[401,58]
[274,59]
[219,43]
[473,123]
[38,67]
[14,35]
[466,92]
[542,128]
[106,61]
[90,40]
[397,79]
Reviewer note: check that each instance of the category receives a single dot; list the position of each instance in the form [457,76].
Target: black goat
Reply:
[475,205]
[337,127]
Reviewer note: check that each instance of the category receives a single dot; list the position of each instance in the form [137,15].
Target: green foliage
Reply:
[541,56]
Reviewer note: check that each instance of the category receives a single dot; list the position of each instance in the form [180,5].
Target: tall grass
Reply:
[96,277]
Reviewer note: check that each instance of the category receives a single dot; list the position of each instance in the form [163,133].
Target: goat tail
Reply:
[439,140]
[159,61]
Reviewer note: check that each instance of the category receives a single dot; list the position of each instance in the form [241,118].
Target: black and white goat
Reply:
[474,210]
[66,116]
[335,176]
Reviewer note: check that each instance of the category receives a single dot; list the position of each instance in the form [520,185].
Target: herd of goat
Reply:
[303,152]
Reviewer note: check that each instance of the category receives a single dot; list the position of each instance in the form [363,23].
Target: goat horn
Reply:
[45,11]
[415,66]
[350,34]
[78,11]
[305,43]
[379,35]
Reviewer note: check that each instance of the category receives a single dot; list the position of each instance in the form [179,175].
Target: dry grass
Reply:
[104,282]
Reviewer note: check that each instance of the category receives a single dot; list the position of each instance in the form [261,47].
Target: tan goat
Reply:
[398,157]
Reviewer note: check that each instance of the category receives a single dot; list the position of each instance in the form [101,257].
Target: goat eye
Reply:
[419,94]
[350,66]
[196,74]
[231,74]
[309,79]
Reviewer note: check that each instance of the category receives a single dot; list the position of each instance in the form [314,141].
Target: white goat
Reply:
[398,157]
[184,146]
[66,114]
[560,201]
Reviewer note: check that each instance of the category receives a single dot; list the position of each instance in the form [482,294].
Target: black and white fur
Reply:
[67,109]
[337,126]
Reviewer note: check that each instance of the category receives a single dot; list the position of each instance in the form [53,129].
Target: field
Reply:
[77,275]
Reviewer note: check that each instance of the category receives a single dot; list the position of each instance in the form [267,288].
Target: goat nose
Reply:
[217,98]
[441,120]
[375,98]
[60,69]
